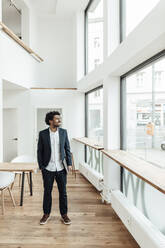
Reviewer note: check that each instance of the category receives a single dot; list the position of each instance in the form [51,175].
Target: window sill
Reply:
[146,171]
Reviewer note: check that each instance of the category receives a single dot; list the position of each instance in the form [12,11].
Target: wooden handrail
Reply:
[34,88]
[20,42]
[149,173]
[88,142]
[146,171]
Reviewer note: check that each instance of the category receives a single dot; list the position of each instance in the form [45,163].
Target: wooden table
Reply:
[21,167]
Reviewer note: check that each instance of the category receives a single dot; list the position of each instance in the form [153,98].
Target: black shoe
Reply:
[44,219]
[65,219]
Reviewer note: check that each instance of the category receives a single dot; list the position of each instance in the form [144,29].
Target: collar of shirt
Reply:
[51,132]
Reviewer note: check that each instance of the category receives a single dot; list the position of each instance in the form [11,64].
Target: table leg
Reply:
[31,183]
[22,188]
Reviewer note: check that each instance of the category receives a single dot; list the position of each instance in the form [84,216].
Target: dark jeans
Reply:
[48,180]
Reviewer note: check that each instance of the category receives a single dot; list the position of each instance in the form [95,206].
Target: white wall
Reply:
[79,32]
[10,133]
[20,100]
[25,22]
[17,66]
[1,121]
[112,33]
[51,38]
[54,39]
[0,10]
[1,99]
[72,103]
[111,110]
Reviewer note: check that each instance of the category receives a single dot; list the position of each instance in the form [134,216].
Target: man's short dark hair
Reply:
[50,115]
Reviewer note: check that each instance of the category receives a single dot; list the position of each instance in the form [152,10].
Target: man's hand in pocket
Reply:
[70,168]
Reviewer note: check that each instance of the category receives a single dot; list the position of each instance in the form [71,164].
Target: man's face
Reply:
[56,122]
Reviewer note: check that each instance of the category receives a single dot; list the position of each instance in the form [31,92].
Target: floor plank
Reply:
[93,224]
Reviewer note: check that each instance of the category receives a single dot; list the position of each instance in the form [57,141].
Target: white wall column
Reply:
[0,10]
[33,41]
[1,101]
[111,94]
[1,121]
[112,26]
[25,24]
[105,29]
[79,19]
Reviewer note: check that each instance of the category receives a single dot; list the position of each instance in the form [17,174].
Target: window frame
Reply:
[123,102]
[122,21]
[86,37]
[86,114]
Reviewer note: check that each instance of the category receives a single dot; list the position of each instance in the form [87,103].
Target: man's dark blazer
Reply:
[44,148]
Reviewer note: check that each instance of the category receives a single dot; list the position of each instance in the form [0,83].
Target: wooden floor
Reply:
[93,224]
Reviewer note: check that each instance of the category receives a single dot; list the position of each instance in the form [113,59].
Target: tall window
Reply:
[144,112]
[133,12]
[94,34]
[94,115]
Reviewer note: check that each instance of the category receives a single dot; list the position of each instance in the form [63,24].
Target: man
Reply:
[53,148]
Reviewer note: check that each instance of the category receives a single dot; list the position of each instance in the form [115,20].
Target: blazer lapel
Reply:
[48,137]
[60,136]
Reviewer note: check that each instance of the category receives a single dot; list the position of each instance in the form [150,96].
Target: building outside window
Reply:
[140,79]
[94,115]
[94,34]
[143,112]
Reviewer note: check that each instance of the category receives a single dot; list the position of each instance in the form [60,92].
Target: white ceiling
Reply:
[43,6]
[69,7]
[60,8]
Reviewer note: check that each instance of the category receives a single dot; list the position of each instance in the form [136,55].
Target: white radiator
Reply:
[93,176]
[143,231]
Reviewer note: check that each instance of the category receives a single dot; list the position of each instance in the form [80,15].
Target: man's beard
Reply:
[56,125]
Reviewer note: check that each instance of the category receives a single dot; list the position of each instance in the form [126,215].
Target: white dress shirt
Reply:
[55,164]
